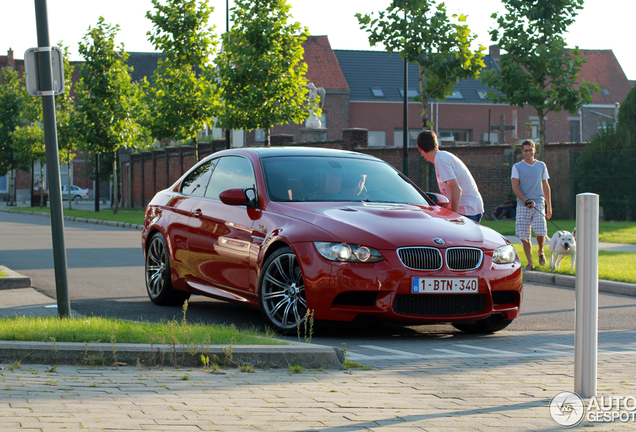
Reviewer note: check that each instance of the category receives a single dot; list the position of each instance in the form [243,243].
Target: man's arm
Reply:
[516,190]
[456,194]
[547,193]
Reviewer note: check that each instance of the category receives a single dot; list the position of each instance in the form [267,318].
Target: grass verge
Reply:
[609,231]
[615,266]
[110,330]
[126,215]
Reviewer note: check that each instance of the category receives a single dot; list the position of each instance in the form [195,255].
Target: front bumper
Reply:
[343,291]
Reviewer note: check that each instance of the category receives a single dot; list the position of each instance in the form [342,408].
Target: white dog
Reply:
[562,243]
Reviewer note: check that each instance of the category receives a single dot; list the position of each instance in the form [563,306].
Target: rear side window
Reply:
[196,182]
[230,172]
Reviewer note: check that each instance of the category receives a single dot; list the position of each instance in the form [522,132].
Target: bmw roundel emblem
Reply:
[439,241]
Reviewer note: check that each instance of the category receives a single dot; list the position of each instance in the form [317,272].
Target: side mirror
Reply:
[233,197]
[438,199]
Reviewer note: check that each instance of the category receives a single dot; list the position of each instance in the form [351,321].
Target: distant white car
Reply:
[77,193]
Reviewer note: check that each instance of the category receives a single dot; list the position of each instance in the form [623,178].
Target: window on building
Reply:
[575,129]
[412,93]
[397,137]
[259,135]
[534,129]
[458,135]
[377,93]
[377,138]
[482,94]
[605,92]
[456,95]
[37,178]
[3,183]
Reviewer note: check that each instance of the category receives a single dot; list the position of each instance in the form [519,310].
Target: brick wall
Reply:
[490,165]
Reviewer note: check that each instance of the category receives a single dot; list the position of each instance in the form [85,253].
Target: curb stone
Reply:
[14,280]
[566,281]
[266,356]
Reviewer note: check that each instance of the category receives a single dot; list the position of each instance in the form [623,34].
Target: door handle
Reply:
[197,213]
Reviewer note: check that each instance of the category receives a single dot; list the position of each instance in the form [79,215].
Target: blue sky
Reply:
[602,24]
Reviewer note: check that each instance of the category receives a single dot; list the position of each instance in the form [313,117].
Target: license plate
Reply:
[445,285]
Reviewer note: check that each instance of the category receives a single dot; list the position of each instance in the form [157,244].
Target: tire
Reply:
[77,198]
[281,292]
[491,324]
[158,280]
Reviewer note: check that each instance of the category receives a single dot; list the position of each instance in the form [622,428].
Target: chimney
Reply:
[10,61]
[494,52]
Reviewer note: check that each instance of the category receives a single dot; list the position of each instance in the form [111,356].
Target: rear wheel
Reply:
[282,291]
[77,198]
[158,281]
[491,324]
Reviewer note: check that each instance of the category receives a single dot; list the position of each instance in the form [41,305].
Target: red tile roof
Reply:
[322,65]
[603,68]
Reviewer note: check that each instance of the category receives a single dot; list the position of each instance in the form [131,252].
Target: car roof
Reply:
[265,152]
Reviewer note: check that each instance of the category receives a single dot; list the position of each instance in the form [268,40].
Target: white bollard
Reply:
[586,308]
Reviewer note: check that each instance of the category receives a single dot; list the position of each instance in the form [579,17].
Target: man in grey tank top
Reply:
[530,184]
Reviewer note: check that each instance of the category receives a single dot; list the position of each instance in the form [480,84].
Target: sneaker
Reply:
[529,267]
[541,259]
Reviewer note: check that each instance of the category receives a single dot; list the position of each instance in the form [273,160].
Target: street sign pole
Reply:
[45,74]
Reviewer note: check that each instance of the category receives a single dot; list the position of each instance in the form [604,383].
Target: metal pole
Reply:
[228,140]
[96,182]
[586,292]
[405,130]
[45,73]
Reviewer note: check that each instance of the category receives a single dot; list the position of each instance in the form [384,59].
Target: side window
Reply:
[230,172]
[196,182]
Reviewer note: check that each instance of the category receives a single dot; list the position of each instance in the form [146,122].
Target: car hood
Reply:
[389,226]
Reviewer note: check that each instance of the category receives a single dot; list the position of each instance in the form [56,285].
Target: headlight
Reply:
[344,252]
[504,255]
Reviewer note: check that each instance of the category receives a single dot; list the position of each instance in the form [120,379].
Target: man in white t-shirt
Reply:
[453,178]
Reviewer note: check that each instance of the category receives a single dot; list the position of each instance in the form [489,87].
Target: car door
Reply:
[220,234]
[179,207]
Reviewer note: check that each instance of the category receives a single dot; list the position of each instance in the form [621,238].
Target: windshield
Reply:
[318,178]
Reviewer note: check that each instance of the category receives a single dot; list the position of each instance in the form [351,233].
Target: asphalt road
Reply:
[106,278]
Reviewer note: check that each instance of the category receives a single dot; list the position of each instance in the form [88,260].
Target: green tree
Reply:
[423,33]
[627,115]
[536,68]
[260,68]
[182,98]
[18,111]
[110,108]
[67,139]
[29,146]
[609,159]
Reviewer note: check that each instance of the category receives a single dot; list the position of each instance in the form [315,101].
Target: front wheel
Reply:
[158,281]
[282,291]
[491,324]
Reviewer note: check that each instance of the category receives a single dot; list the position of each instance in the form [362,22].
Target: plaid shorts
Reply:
[530,217]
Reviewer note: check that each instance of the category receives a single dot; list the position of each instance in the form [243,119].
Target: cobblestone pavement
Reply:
[471,394]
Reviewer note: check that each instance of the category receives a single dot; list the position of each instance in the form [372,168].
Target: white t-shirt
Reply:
[448,167]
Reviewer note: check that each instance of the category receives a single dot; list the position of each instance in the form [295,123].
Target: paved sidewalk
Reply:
[444,395]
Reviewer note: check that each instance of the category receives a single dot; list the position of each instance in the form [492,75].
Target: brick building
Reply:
[364,90]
